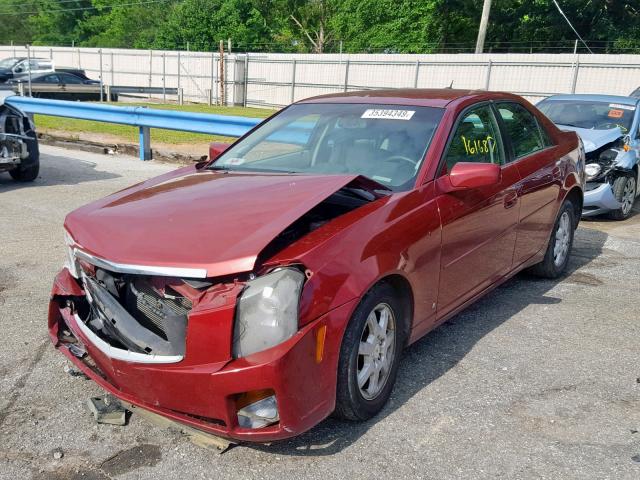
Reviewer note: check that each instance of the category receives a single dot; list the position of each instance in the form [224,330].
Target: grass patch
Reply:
[130,134]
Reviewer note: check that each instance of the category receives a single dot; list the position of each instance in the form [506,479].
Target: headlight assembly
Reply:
[592,170]
[267,311]
[71,262]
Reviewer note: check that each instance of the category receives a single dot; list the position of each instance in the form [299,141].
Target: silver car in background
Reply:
[609,126]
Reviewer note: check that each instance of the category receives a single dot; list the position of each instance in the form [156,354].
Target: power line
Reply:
[84,8]
[574,30]
[13,3]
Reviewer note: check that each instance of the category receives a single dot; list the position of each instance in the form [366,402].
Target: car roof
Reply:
[621,99]
[425,97]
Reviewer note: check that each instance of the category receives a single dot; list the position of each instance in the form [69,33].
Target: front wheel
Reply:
[558,250]
[624,189]
[370,354]
[28,170]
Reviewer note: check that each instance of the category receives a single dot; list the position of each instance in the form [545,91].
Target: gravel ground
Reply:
[540,379]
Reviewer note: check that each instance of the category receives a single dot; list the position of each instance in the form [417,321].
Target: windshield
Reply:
[588,114]
[386,143]
[8,62]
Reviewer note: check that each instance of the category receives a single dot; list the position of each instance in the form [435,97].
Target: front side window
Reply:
[386,143]
[476,139]
[522,128]
[21,66]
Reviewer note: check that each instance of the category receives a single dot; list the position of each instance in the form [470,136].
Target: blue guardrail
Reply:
[142,117]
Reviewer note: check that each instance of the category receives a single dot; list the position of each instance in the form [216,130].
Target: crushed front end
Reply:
[179,346]
[603,166]
[18,143]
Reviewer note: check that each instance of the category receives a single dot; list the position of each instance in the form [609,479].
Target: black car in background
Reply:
[66,83]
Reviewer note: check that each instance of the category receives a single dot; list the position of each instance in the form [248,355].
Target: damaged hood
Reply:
[199,219]
[594,139]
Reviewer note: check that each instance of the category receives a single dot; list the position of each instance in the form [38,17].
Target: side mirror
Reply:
[18,70]
[467,175]
[216,149]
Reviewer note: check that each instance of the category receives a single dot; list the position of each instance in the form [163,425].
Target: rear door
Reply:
[478,225]
[534,155]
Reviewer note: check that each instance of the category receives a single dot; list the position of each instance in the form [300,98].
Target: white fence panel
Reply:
[277,79]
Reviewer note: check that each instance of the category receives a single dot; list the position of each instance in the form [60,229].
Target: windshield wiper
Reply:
[218,167]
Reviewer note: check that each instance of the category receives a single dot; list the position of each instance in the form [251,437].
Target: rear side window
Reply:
[523,129]
[476,139]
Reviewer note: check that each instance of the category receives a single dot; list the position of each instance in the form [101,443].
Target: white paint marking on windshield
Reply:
[386,114]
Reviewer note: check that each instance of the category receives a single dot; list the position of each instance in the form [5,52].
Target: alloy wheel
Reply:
[563,237]
[628,195]
[376,352]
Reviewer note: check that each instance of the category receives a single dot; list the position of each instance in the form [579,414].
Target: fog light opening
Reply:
[257,409]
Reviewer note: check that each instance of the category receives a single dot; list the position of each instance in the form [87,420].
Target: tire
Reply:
[28,171]
[624,189]
[360,402]
[558,250]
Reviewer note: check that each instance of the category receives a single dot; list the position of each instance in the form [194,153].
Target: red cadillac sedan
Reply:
[253,295]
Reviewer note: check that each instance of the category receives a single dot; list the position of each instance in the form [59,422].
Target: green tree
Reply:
[14,16]
[130,26]
[56,22]
[404,26]
[203,23]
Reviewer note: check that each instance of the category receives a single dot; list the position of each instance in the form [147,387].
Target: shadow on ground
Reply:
[56,170]
[443,348]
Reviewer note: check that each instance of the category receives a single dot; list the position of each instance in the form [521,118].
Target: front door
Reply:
[478,225]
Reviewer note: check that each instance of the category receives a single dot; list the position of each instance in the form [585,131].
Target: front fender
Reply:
[626,160]
[344,258]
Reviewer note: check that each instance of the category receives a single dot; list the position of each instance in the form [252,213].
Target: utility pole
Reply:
[484,21]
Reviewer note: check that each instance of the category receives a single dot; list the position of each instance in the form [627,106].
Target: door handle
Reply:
[510,199]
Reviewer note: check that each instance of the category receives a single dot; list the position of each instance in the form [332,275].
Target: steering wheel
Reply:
[393,158]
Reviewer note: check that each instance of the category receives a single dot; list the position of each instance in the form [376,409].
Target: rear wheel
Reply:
[624,189]
[369,355]
[558,250]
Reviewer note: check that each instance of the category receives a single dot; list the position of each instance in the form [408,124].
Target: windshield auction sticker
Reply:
[621,107]
[388,114]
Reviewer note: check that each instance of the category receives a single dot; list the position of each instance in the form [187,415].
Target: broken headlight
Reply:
[592,170]
[71,262]
[267,311]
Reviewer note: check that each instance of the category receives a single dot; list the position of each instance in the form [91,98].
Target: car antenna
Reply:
[450,85]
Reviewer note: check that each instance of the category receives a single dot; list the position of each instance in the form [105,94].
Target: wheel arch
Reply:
[403,289]
[576,197]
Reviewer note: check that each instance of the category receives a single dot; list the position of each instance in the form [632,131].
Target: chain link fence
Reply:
[276,80]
